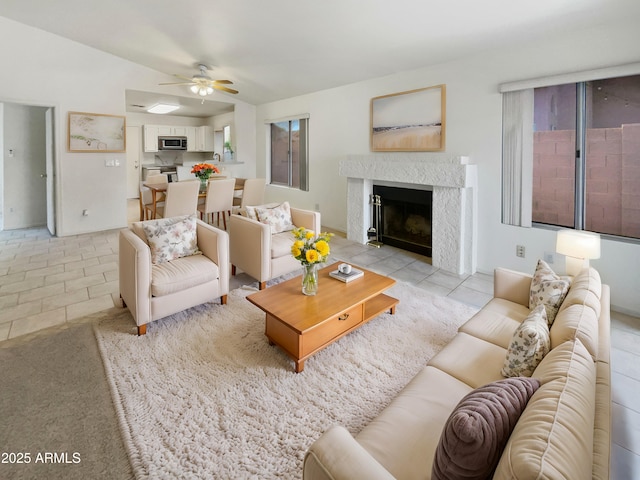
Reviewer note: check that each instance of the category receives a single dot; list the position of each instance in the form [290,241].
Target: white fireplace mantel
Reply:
[454,183]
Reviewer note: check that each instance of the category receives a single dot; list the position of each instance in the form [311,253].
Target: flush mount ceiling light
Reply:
[163,108]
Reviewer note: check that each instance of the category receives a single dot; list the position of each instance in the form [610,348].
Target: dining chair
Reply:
[237,194]
[252,193]
[181,199]
[146,196]
[219,199]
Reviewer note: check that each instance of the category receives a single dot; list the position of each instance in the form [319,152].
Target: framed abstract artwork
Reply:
[412,121]
[96,132]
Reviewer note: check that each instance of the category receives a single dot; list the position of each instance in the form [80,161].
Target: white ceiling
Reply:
[140,102]
[283,48]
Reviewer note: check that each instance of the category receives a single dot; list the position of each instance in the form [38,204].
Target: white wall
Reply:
[339,125]
[42,69]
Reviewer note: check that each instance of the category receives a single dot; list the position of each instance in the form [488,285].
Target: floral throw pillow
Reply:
[171,238]
[530,343]
[548,289]
[278,217]
[249,211]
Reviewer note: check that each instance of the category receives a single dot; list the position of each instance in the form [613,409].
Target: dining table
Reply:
[159,190]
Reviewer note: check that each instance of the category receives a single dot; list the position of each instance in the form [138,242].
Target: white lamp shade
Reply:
[578,244]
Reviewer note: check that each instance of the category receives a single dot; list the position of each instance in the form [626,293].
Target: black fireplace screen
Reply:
[405,218]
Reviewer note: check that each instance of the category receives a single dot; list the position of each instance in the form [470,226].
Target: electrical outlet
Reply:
[520,251]
[549,257]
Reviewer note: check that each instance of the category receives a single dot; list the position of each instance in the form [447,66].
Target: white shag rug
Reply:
[203,395]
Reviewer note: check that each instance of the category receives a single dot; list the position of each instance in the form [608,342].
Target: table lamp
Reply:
[578,246]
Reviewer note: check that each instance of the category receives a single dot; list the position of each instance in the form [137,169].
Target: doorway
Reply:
[28,173]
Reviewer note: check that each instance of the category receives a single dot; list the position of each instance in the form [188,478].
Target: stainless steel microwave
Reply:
[172,143]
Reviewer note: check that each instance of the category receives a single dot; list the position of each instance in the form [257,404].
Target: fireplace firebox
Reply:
[405,218]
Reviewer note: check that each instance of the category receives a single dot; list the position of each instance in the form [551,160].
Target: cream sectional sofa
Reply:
[564,430]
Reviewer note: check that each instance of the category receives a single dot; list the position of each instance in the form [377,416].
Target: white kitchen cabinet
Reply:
[205,138]
[199,139]
[151,133]
[165,130]
[171,130]
[192,143]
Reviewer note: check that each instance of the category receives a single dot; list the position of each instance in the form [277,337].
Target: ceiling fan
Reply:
[203,84]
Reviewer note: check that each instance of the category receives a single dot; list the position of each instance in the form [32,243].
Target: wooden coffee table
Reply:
[303,325]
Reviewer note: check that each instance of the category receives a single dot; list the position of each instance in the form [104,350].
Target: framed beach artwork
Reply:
[412,121]
[96,132]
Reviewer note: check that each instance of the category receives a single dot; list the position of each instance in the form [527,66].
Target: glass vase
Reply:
[203,184]
[310,279]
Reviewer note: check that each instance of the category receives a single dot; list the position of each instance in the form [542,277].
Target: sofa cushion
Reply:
[278,217]
[171,238]
[404,436]
[496,322]
[578,317]
[477,430]
[281,244]
[554,436]
[180,274]
[577,321]
[547,289]
[586,289]
[529,345]
[470,360]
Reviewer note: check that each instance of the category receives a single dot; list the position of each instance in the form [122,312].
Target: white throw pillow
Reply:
[529,344]
[171,238]
[278,217]
[548,289]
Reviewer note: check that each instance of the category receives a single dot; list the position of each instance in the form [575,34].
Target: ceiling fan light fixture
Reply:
[194,88]
[161,108]
[209,90]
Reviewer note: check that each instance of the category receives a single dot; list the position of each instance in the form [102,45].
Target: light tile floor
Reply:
[48,283]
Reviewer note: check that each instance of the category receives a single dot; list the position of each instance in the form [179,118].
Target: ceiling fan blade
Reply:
[178,83]
[224,89]
[223,82]
[189,79]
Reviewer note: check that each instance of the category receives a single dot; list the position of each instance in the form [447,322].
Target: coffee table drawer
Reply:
[333,327]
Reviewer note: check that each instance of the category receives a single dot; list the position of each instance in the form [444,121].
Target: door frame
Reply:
[50,152]
[51,161]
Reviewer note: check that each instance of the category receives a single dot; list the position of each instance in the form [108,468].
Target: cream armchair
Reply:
[153,291]
[261,255]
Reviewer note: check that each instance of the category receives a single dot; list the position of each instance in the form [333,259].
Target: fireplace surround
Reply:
[453,181]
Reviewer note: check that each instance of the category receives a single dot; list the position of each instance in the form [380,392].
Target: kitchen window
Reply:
[571,156]
[289,152]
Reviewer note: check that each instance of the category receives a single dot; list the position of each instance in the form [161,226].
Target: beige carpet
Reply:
[55,400]
[203,395]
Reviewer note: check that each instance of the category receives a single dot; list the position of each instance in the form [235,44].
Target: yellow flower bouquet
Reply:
[310,249]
